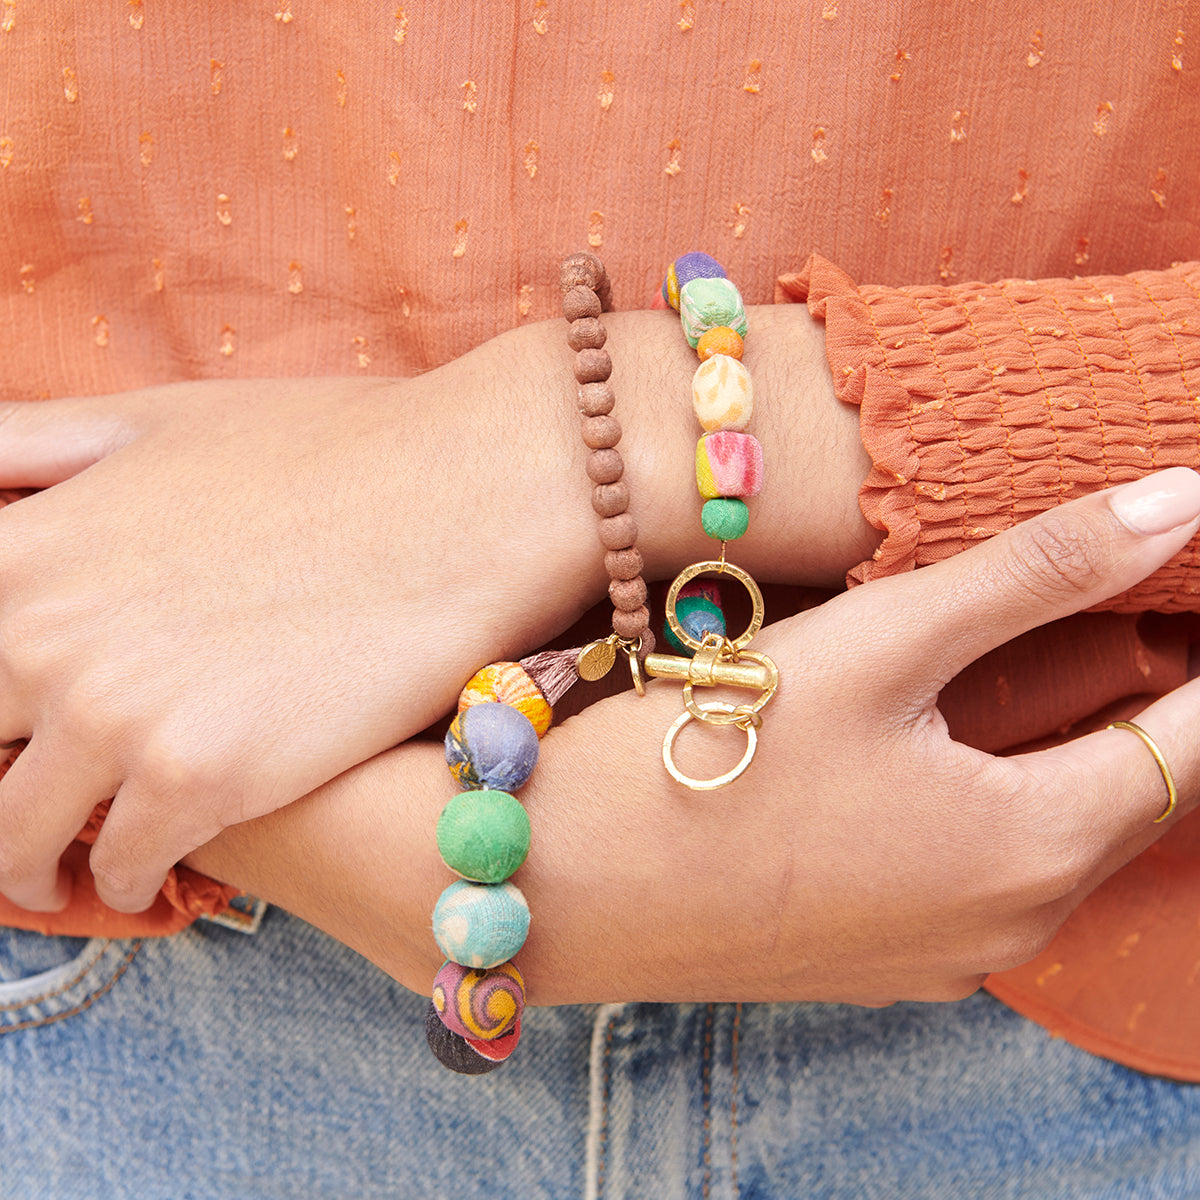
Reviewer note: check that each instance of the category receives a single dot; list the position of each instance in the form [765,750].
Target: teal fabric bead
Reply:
[698,616]
[480,925]
[725,519]
[707,303]
[483,835]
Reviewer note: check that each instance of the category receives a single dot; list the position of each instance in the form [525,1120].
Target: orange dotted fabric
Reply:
[985,404]
[212,188]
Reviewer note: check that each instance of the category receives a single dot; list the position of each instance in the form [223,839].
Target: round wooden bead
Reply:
[609,499]
[592,366]
[722,394]
[623,564]
[491,746]
[601,433]
[704,303]
[720,339]
[483,835]
[581,270]
[605,466]
[508,683]
[483,1005]
[579,302]
[729,464]
[587,333]
[627,594]
[480,924]
[596,399]
[454,1052]
[631,624]
[725,519]
[618,532]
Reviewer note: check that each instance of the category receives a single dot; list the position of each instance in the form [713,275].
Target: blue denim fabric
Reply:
[283,1065]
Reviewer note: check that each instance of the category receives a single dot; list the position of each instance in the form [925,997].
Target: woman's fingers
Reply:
[44,443]
[1114,794]
[919,630]
[45,799]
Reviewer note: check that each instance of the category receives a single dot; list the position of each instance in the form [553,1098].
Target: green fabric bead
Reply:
[483,835]
[725,519]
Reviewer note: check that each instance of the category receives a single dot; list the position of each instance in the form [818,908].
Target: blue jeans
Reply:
[280,1064]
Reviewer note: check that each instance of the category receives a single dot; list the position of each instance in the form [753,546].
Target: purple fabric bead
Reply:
[697,265]
[491,746]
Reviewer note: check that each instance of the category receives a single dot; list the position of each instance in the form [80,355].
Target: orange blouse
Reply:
[217,189]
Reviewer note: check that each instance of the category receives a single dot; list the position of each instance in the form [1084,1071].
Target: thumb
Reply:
[44,442]
[931,623]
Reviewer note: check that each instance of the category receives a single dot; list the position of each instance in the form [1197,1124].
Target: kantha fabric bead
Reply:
[498,1049]
[452,1050]
[491,746]
[480,925]
[706,303]
[725,519]
[729,464]
[720,339]
[698,610]
[508,683]
[694,265]
[483,835]
[722,394]
[480,1005]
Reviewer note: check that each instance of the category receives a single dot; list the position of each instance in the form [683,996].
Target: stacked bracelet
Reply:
[729,468]
[586,293]
[473,1022]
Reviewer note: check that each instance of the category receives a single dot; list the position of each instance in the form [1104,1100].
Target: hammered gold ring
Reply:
[1163,769]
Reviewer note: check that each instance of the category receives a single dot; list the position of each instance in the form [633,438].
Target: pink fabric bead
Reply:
[729,464]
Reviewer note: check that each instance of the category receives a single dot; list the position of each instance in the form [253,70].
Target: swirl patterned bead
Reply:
[483,1005]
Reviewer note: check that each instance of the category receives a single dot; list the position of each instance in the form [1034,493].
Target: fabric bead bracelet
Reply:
[480,922]
[729,468]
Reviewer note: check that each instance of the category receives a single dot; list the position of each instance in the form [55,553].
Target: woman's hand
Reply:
[230,592]
[864,856]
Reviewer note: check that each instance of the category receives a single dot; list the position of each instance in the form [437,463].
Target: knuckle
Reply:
[950,991]
[1023,942]
[1059,555]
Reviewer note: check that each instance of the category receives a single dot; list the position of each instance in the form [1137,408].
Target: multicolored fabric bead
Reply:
[698,610]
[508,683]
[483,835]
[729,464]
[684,269]
[491,746]
[722,394]
[480,925]
[707,303]
[480,1005]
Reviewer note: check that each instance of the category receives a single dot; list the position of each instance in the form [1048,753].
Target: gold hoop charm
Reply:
[751,719]
[715,568]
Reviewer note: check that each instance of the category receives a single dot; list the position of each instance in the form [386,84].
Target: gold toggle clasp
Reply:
[718,662]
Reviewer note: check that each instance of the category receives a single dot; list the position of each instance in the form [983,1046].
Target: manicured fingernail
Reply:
[1159,502]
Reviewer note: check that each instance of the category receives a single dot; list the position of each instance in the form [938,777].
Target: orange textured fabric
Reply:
[985,404]
[212,189]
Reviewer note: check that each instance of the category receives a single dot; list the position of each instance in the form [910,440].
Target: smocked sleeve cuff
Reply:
[984,404]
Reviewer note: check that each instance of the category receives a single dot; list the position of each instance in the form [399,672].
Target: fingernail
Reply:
[1159,502]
